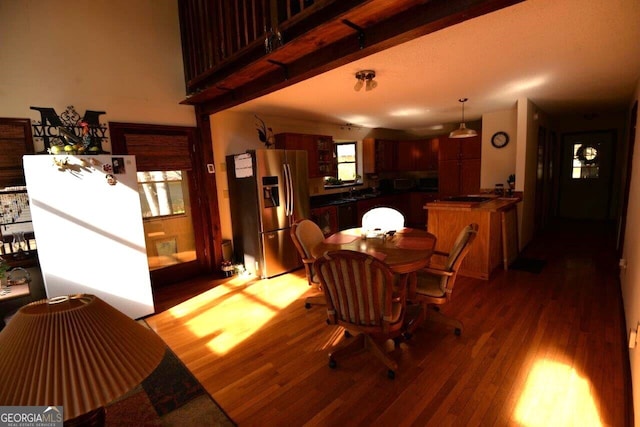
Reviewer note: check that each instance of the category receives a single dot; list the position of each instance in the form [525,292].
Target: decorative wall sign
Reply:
[68,132]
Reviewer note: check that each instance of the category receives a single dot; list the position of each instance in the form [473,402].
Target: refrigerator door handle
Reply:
[290,188]
[287,199]
[286,189]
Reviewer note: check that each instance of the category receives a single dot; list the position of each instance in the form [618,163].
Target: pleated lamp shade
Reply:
[77,352]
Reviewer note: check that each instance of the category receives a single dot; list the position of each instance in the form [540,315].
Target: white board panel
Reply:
[89,233]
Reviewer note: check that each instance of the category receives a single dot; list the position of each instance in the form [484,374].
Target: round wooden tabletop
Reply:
[408,250]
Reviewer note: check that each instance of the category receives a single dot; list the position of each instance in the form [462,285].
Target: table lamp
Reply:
[77,352]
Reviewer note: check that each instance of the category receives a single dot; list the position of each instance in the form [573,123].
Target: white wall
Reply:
[630,278]
[498,163]
[529,119]
[119,56]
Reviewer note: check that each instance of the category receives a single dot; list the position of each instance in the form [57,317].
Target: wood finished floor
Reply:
[544,349]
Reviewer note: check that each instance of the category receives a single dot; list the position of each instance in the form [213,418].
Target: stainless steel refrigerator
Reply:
[268,192]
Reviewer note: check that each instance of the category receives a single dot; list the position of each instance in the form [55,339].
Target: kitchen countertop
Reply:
[322,201]
[494,204]
[343,198]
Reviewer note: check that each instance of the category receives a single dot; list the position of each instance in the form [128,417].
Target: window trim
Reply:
[355,161]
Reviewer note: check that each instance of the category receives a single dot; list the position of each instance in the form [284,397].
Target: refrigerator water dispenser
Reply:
[270,192]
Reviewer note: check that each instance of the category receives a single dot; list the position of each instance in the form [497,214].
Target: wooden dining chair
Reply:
[361,296]
[305,235]
[434,287]
[383,218]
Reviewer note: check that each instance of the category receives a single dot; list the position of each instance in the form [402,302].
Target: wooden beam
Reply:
[411,23]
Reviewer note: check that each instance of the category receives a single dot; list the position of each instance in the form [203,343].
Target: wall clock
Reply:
[500,139]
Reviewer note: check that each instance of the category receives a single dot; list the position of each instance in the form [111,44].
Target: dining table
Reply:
[405,251]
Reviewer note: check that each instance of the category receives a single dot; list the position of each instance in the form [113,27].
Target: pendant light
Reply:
[463,131]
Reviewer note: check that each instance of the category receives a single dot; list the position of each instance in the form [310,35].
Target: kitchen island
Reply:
[497,239]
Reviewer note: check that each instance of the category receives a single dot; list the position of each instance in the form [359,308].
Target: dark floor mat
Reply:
[170,396]
[528,264]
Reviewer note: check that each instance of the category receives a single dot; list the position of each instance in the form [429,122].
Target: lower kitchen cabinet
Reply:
[327,219]
[417,214]
[347,216]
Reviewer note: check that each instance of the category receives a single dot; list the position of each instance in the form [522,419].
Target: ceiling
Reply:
[567,56]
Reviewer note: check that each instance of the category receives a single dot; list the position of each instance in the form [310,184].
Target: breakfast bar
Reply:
[497,239]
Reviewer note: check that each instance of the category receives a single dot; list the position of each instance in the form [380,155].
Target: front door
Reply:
[585,180]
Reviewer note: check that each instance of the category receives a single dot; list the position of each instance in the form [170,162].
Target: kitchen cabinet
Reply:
[459,166]
[417,214]
[417,155]
[406,153]
[428,155]
[347,216]
[320,150]
[385,155]
[378,155]
[382,155]
[15,141]
[327,219]
[368,155]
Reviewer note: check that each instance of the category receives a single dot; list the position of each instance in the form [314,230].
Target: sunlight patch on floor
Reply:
[209,297]
[555,394]
[237,310]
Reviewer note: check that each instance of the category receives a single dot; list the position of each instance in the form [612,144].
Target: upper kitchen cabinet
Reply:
[378,155]
[15,141]
[418,155]
[385,157]
[320,149]
[381,155]
[235,51]
[459,166]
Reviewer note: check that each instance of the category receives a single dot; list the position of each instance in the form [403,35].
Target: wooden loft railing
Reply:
[213,32]
[217,32]
[236,51]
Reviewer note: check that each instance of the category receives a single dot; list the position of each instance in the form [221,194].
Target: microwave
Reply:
[403,184]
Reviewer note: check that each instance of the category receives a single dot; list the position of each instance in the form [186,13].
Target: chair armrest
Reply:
[437,272]
[444,254]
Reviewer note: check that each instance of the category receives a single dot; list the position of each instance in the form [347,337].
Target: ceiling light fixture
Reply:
[462,131]
[365,78]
